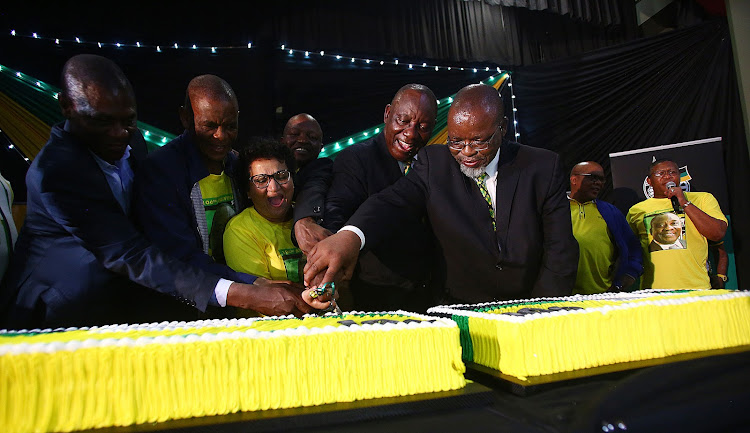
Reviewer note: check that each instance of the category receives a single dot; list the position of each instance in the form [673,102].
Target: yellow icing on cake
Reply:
[607,329]
[119,376]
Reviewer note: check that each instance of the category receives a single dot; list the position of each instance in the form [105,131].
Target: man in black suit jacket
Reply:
[304,137]
[395,273]
[80,260]
[514,243]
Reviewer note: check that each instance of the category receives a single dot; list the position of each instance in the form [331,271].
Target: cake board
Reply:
[327,415]
[534,384]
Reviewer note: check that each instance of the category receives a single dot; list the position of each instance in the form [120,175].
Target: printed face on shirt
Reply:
[409,121]
[666,228]
[274,201]
[103,119]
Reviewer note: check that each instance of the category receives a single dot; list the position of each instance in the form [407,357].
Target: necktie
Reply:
[483,189]
[407,167]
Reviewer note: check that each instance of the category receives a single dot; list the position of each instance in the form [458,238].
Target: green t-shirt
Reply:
[216,190]
[596,251]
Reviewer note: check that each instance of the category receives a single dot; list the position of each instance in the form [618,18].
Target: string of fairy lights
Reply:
[159,137]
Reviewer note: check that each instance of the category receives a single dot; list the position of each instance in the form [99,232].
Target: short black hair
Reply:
[659,161]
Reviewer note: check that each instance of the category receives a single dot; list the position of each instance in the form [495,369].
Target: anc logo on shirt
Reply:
[685,178]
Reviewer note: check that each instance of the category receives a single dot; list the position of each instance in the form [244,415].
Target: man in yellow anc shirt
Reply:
[684,267]
[184,192]
[609,255]
[258,241]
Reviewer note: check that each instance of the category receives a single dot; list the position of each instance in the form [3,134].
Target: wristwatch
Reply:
[722,277]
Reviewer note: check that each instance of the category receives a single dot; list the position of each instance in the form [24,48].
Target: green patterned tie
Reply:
[407,167]
[483,189]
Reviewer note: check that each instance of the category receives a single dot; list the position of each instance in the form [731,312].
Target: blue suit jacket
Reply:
[79,260]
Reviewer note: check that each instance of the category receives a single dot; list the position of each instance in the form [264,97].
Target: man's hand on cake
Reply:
[270,298]
[332,259]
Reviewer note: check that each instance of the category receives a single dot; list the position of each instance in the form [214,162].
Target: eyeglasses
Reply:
[476,145]
[593,177]
[262,180]
[663,173]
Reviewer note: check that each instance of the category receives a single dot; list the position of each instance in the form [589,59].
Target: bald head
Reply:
[586,180]
[98,101]
[211,115]
[86,76]
[409,120]
[303,135]
[477,117]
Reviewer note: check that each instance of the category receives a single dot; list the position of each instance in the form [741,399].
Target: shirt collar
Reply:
[491,168]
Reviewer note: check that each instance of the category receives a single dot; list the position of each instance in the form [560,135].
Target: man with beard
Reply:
[395,273]
[79,260]
[609,256]
[671,260]
[304,137]
[496,207]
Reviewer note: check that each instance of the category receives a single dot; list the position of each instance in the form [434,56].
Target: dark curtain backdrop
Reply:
[675,87]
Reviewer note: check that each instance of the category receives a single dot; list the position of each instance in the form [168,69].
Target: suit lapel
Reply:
[507,180]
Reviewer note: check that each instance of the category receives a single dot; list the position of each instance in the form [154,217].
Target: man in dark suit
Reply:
[395,273]
[79,260]
[511,241]
[304,137]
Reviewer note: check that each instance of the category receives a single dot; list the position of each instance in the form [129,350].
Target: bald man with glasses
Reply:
[609,256]
[497,209]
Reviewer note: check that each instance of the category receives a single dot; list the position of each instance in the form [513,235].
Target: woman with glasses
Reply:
[258,241]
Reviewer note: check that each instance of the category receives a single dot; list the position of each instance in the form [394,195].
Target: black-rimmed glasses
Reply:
[476,145]
[593,177]
[262,180]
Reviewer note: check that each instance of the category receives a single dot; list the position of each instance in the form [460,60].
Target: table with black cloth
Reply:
[709,394]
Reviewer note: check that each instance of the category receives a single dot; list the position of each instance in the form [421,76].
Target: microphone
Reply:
[675,202]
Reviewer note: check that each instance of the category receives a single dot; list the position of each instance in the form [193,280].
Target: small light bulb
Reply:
[249,44]
[158,49]
[11,146]
[487,69]
[352,59]
[195,47]
[351,141]
[322,53]
[138,44]
[377,130]
[38,84]
[27,159]
[396,61]
[510,84]
[515,109]
[436,68]
[283,47]
[164,139]
[307,53]
[213,49]
[449,68]
[475,69]
[515,122]
[381,63]
[518,134]
[367,61]
[513,96]
[450,99]
[35,36]
[118,45]
[175,45]
[424,65]
[12,32]
[365,134]
[146,133]
[18,74]
[410,65]
[100,44]
[338,57]
[498,69]
[57,41]
[291,51]
[55,95]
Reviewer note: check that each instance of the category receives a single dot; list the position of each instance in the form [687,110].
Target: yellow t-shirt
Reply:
[596,252]
[256,246]
[216,190]
[685,266]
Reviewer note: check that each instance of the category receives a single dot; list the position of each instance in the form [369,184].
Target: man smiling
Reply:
[395,274]
[496,207]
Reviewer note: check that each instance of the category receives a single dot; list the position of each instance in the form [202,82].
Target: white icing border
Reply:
[52,347]
[639,295]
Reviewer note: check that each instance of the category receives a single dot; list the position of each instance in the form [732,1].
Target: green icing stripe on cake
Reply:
[467,347]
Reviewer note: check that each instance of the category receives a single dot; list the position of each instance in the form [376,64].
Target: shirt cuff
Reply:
[221,290]
[358,232]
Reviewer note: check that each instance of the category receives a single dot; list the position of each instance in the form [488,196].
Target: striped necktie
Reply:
[407,167]
[483,189]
